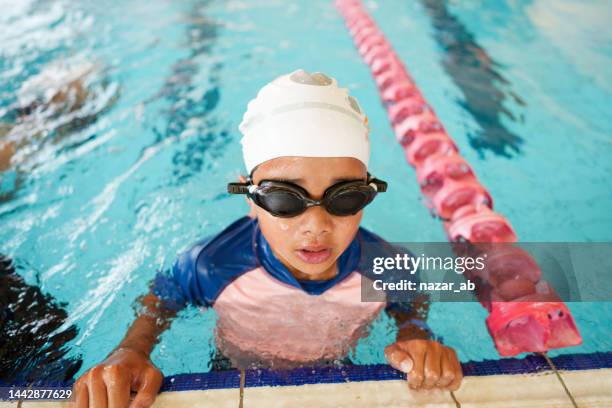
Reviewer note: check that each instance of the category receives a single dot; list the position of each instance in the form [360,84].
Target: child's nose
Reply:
[316,221]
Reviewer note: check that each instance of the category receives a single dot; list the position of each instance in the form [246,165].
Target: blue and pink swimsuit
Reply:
[264,312]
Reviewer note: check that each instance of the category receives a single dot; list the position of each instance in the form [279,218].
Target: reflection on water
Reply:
[580,31]
[190,108]
[478,77]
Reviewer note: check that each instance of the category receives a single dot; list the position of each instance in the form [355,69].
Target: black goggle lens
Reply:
[348,203]
[280,203]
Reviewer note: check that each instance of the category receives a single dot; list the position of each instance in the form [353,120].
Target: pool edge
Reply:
[524,382]
[589,387]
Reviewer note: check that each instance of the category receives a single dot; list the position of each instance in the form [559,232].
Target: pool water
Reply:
[90,215]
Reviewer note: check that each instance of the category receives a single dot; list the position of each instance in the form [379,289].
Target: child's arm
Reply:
[192,280]
[128,368]
[428,363]
[152,321]
[411,321]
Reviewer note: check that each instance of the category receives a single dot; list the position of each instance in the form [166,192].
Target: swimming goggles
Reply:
[283,199]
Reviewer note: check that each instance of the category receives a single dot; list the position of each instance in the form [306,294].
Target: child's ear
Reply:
[252,212]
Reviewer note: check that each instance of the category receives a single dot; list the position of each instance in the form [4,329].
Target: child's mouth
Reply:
[314,255]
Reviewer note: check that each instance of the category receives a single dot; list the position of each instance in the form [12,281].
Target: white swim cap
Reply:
[302,114]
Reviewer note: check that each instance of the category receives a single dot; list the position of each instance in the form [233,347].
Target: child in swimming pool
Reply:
[286,280]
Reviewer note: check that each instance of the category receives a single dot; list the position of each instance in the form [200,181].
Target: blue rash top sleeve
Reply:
[179,286]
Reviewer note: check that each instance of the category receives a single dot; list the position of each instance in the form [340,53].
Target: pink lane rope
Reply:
[525,314]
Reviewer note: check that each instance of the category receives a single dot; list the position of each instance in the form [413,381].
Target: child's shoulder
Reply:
[222,247]
[212,263]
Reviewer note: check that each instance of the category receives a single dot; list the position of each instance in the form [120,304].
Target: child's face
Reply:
[310,243]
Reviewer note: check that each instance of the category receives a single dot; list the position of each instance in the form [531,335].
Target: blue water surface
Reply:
[92,214]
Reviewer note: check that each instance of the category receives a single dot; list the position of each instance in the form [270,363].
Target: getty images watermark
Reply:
[411,264]
[463,272]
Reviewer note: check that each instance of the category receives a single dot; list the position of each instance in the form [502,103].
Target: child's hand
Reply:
[110,383]
[428,364]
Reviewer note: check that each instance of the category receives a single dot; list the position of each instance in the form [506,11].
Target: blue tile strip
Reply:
[354,373]
[377,372]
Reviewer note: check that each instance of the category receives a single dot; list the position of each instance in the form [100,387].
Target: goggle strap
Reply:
[238,188]
[379,185]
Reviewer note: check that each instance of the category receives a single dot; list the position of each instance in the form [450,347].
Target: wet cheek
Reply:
[282,228]
[285,236]
[346,227]
[349,223]
[281,224]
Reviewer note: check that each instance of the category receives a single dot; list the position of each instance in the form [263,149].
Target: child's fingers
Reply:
[433,365]
[448,369]
[97,388]
[418,352]
[398,358]
[118,382]
[81,398]
[458,371]
[147,391]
